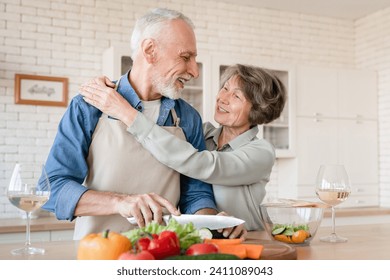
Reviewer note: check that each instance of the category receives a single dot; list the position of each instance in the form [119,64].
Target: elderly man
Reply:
[99,172]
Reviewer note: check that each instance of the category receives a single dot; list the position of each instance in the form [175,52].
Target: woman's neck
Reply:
[228,134]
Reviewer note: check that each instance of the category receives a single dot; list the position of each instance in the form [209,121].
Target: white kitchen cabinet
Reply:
[347,133]
[343,141]
[317,92]
[61,235]
[336,93]
[116,61]
[317,143]
[36,236]
[358,94]
[20,237]
[358,150]
[280,132]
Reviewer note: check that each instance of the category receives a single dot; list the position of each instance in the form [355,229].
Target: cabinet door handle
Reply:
[359,119]
[317,117]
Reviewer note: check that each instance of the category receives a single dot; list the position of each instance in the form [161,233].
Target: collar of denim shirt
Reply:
[128,92]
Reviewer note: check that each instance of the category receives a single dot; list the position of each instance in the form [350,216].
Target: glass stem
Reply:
[333,221]
[28,241]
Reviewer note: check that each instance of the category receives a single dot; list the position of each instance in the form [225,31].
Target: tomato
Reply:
[202,249]
[143,255]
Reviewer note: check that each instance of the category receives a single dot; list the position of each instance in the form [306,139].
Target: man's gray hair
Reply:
[150,25]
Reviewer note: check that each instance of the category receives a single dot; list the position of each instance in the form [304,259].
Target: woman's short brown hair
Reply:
[261,88]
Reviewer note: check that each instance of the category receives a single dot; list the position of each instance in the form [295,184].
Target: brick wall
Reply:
[373,52]
[67,38]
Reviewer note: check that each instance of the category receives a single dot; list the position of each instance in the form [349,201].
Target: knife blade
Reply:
[206,221]
[201,221]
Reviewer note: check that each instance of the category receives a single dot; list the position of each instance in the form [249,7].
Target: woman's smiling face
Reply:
[232,108]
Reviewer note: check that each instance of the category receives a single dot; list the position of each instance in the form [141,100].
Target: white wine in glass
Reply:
[28,190]
[333,187]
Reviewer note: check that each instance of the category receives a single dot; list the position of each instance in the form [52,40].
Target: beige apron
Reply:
[118,163]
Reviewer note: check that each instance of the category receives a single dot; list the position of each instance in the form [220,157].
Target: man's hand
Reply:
[145,207]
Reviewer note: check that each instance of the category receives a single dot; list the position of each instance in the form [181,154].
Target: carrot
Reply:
[236,249]
[253,251]
[233,241]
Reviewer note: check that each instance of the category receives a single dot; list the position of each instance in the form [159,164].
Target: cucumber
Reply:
[205,233]
[204,257]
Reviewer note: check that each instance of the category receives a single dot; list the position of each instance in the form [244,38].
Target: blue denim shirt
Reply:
[67,167]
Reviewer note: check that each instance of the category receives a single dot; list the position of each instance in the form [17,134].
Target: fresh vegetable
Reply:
[143,243]
[224,241]
[205,257]
[108,245]
[202,249]
[143,255]
[283,238]
[253,251]
[205,233]
[165,245]
[299,236]
[187,233]
[236,249]
[291,234]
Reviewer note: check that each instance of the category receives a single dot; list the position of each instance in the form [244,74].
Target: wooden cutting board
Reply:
[273,250]
[278,252]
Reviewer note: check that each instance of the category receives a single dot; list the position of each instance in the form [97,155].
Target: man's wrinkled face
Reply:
[176,61]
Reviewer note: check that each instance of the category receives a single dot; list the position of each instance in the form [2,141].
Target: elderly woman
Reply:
[237,163]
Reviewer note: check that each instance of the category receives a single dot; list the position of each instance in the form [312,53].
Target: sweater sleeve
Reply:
[249,164]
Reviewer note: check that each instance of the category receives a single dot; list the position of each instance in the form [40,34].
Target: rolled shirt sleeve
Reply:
[66,164]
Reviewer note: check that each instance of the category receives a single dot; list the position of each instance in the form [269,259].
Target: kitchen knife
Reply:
[208,221]
[202,221]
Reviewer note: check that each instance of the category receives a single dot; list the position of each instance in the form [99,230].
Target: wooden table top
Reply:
[365,242]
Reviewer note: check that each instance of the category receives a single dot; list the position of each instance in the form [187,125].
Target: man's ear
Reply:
[148,48]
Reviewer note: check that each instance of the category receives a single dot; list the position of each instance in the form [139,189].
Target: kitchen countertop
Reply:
[365,242]
[51,223]
[40,224]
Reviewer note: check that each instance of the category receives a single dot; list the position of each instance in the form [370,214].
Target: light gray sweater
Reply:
[239,171]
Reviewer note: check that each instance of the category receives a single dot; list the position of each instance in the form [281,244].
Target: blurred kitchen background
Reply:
[333,56]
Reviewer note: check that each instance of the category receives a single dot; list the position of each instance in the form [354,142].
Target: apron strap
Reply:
[176,119]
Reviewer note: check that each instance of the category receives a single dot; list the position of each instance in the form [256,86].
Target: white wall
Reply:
[67,38]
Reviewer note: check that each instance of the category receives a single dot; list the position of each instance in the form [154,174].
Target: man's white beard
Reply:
[168,89]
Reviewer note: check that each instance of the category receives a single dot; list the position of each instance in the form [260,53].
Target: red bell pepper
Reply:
[165,245]
[143,243]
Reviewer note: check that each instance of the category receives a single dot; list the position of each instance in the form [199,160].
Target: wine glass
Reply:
[28,190]
[333,187]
